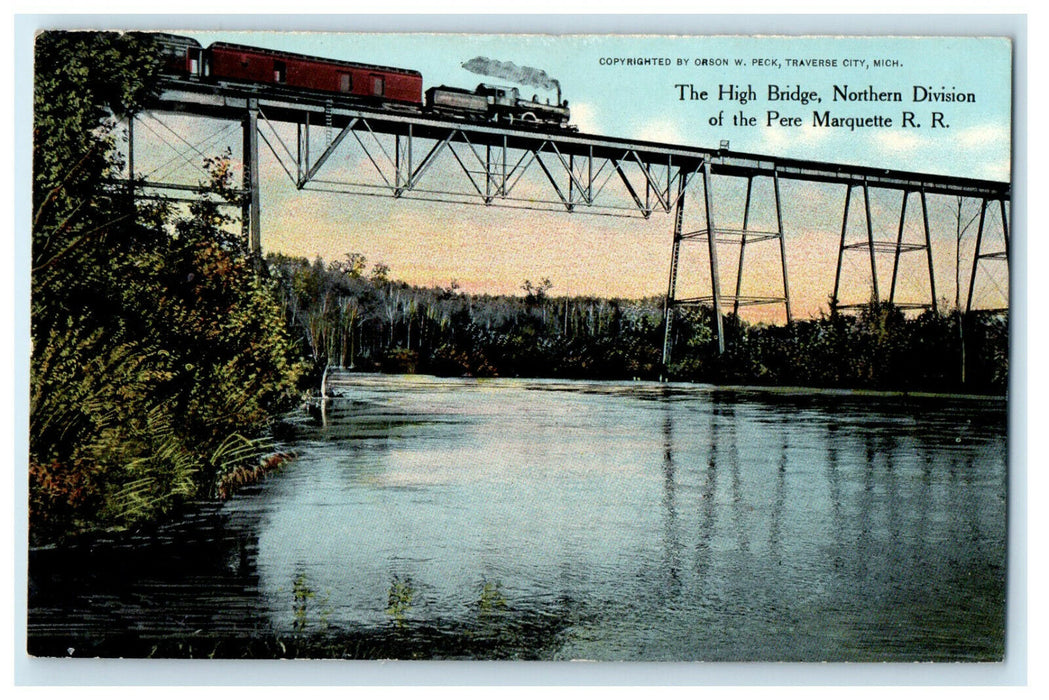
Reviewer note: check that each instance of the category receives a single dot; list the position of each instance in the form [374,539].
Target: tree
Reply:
[84,82]
[156,337]
[535,294]
[959,231]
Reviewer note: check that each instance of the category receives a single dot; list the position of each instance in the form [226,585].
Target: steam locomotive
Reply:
[397,88]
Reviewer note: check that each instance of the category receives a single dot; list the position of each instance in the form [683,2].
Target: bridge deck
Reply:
[230,102]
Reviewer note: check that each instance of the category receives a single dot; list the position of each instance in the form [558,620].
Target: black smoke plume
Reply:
[506,70]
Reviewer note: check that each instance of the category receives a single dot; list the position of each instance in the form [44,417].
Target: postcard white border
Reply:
[30,671]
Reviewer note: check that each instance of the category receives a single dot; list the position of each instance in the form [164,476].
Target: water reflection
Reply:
[671,535]
[400,598]
[779,500]
[834,482]
[433,518]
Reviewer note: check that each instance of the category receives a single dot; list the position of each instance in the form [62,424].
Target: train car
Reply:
[496,103]
[380,85]
[457,102]
[180,55]
[185,58]
[234,62]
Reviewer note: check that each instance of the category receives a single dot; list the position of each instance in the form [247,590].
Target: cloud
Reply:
[896,141]
[584,117]
[983,140]
[804,142]
[987,149]
[661,131]
[997,170]
[985,136]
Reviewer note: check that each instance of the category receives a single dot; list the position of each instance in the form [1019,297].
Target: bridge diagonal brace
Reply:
[899,247]
[277,156]
[523,163]
[378,168]
[569,206]
[416,175]
[382,149]
[1005,227]
[584,190]
[742,246]
[870,240]
[834,301]
[693,174]
[675,256]
[166,168]
[979,255]
[600,169]
[715,278]
[276,135]
[663,197]
[782,246]
[607,177]
[645,211]
[178,151]
[483,162]
[976,255]
[928,252]
[486,165]
[311,172]
[466,171]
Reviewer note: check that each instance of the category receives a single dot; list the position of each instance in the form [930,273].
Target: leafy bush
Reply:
[155,335]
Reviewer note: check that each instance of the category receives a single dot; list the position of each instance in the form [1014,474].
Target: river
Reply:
[542,519]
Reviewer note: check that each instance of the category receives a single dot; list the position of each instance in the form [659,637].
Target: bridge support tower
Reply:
[721,235]
[980,256]
[871,246]
[251,207]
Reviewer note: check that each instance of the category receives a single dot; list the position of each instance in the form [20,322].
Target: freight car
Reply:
[361,82]
[179,55]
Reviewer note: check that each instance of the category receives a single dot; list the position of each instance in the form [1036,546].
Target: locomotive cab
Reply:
[500,95]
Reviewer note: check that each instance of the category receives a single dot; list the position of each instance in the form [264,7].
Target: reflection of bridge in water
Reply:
[412,155]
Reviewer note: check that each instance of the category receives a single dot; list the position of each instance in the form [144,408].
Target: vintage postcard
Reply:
[520,346]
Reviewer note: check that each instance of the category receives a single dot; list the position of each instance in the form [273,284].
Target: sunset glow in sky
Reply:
[494,249]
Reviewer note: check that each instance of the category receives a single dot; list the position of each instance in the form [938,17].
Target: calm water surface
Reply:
[434,517]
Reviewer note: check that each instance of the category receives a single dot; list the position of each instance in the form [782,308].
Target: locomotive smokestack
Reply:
[507,70]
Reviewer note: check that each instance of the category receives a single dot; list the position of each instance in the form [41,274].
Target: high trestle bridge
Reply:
[414,155]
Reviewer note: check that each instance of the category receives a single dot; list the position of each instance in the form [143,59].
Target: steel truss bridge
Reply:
[501,164]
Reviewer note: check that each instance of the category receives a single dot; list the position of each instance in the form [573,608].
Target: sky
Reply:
[495,250]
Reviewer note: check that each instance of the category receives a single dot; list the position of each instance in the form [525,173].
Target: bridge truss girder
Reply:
[494,166]
[503,165]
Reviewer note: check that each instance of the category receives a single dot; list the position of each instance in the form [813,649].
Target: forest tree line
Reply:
[351,316]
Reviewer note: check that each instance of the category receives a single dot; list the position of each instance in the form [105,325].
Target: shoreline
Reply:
[749,388]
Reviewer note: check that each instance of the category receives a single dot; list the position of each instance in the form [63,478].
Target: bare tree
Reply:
[957,211]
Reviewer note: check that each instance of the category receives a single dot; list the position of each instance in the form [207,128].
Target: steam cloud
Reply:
[513,72]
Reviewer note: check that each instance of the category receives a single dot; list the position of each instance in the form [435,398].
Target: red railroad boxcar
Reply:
[247,63]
